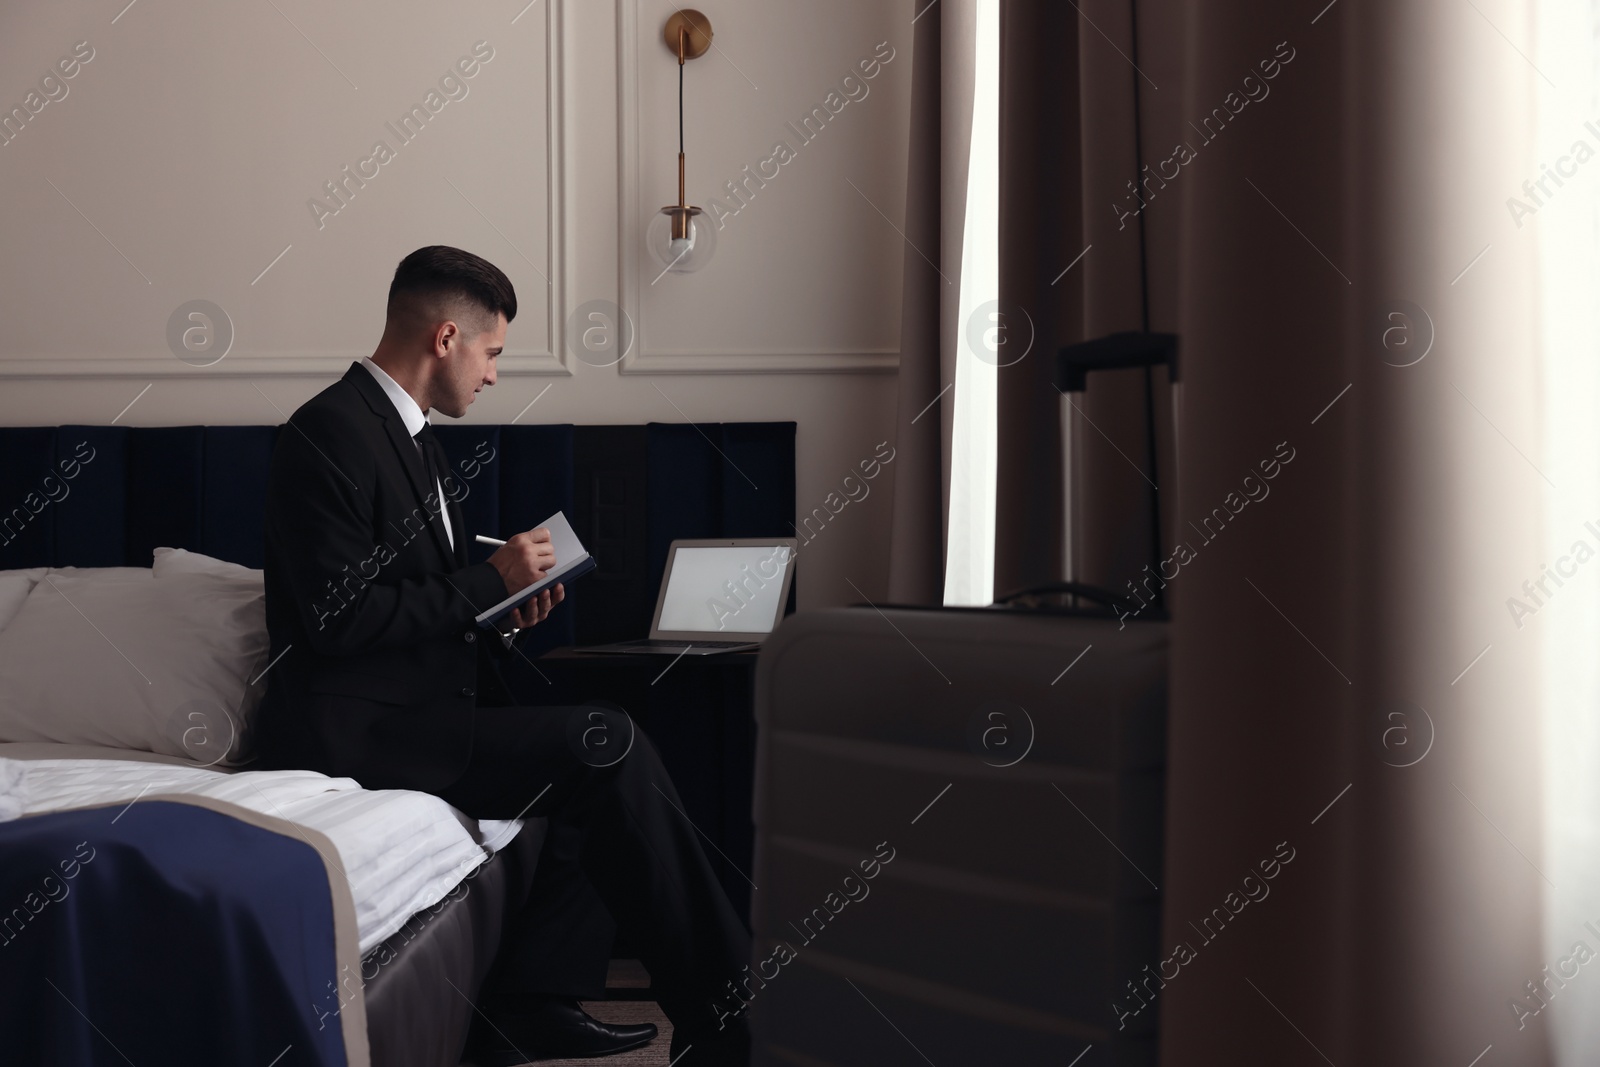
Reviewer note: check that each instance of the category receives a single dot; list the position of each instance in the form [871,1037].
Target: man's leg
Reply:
[559,945]
[638,849]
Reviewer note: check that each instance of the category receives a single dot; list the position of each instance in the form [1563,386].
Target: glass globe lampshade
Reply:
[682,239]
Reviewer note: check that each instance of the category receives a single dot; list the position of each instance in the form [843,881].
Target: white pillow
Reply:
[171,561]
[162,667]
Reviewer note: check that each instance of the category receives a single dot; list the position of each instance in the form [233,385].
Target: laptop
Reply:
[717,596]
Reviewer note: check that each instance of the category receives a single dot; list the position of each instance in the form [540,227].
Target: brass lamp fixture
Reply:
[680,236]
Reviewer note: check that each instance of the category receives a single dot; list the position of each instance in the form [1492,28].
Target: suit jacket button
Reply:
[467,691]
[469,637]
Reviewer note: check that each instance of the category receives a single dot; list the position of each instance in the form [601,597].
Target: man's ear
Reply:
[447,333]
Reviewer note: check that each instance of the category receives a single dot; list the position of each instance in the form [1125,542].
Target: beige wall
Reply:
[181,160]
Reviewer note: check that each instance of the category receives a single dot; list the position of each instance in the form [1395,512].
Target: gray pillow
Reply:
[14,590]
[113,574]
[171,561]
[151,666]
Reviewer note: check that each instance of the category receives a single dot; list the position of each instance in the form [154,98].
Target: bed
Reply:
[280,913]
[128,549]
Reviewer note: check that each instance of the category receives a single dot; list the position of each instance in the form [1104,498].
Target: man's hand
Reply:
[524,560]
[540,606]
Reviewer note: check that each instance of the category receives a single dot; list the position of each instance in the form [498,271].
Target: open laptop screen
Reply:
[725,589]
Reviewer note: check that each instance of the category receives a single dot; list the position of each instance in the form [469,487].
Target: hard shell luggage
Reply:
[959,821]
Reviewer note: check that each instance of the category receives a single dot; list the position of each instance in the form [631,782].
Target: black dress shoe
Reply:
[551,1030]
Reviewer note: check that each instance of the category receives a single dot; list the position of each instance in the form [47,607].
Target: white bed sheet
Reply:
[401,851]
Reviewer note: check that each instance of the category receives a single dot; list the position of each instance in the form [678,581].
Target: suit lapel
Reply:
[405,450]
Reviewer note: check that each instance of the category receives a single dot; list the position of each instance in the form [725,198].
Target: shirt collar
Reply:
[410,413]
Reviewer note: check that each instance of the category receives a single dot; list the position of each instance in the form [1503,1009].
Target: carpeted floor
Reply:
[628,983]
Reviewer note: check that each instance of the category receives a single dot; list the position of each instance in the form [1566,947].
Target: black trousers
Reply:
[621,849]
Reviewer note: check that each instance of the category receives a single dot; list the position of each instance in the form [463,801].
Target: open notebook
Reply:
[572,562]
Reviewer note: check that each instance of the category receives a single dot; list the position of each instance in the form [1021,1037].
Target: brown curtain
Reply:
[936,184]
[1375,571]
[1066,145]
[1041,228]
[1070,268]
[1321,619]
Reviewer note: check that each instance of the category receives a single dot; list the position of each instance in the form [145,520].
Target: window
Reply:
[969,565]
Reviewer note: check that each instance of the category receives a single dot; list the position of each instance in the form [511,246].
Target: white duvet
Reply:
[400,851]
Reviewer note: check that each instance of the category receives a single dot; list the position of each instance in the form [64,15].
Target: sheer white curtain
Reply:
[969,565]
[1565,223]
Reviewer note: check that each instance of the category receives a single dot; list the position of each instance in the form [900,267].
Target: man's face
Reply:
[468,368]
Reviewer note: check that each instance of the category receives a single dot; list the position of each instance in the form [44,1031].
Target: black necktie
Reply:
[435,463]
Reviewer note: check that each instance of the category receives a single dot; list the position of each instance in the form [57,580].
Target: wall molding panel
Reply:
[637,272]
[149,361]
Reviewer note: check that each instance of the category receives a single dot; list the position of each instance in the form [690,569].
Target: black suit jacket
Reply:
[368,606]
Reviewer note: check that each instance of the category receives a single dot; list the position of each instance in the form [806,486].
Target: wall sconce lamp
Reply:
[680,236]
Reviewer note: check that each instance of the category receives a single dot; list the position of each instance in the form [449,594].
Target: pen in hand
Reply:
[482,540]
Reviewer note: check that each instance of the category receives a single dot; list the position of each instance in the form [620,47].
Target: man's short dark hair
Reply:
[451,282]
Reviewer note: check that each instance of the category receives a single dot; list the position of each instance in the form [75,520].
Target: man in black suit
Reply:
[384,678]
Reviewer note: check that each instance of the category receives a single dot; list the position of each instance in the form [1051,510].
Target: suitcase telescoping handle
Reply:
[1120,351]
[1114,352]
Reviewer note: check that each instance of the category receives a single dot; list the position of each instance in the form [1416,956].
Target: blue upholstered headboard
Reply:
[102,496]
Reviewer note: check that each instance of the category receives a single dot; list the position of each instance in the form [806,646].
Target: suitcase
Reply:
[959,821]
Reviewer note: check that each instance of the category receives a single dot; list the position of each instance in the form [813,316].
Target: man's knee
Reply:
[601,734]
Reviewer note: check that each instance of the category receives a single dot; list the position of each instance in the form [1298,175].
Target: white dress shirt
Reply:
[414,420]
